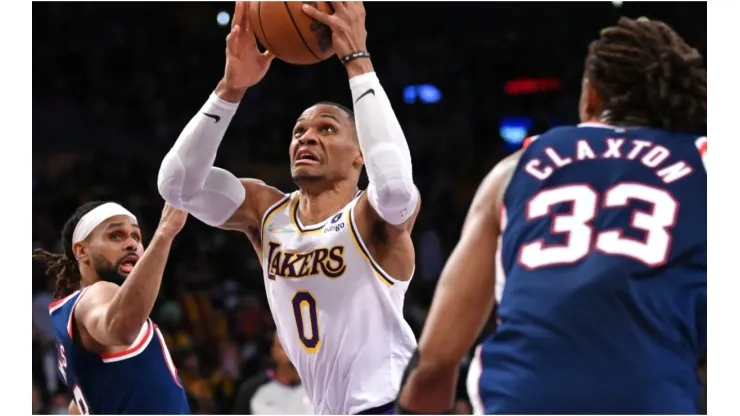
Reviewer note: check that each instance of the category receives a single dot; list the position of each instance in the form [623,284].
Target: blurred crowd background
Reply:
[114,83]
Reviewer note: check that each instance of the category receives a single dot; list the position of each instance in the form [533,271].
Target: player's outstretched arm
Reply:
[391,194]
[187,178]
[462,303]
[113,315]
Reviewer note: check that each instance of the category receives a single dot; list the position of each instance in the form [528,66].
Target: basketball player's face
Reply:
[114,248]
[324,145]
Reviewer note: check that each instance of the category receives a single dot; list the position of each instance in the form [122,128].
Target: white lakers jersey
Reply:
[338,314]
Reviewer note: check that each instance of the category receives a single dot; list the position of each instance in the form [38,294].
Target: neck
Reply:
[607,116]
[317,206]
[88,276]
[286,374]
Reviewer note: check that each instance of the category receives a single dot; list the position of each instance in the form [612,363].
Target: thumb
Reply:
[268,56]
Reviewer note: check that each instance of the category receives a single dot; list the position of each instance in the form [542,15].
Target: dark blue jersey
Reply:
[140,380]
[604,256]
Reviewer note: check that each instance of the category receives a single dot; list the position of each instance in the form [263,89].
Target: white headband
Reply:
[92,219]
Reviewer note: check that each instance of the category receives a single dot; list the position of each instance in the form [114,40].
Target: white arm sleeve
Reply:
[391,190]
[187,178]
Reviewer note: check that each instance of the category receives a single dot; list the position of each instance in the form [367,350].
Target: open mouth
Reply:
[306,157]
[128,263]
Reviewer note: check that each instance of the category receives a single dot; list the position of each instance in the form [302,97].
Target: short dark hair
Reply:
[344,108]
[64,266]
[646,74]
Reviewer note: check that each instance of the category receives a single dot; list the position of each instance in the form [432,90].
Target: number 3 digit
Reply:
[652,250]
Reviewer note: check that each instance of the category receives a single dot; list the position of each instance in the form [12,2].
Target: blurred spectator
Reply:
[196,385]
[59,404]
[227,378]
[170,323]
[37,408]
[277,391]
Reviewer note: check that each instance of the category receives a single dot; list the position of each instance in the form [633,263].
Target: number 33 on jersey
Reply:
[628,208]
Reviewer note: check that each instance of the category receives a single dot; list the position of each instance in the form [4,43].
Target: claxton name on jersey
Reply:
[327,261]
[642,151]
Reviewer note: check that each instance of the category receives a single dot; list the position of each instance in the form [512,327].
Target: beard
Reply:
[109,272]
[303,177]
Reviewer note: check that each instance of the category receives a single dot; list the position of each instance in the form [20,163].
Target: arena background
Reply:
[114,83]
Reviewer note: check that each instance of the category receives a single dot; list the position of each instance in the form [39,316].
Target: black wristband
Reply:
[354,55]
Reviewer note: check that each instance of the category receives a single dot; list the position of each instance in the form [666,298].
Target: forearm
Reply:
[187,178]
[133,302]
[391,189]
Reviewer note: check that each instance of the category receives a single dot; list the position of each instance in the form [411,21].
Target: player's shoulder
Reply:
[259,198]
[259,191]
[558,131]
[60,305]
[98,293]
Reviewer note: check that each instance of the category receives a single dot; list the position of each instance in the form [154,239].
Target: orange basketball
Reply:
[283,28]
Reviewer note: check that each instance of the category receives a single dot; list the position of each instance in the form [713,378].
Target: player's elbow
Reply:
[395,198]
[396,193]
[170,181]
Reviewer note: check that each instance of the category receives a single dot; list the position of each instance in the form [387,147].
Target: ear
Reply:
[81,251]
[359,160]
[592,105]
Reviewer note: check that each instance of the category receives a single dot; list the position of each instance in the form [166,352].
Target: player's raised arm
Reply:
[113,315]
[391,191]
[462,303]
[187,178]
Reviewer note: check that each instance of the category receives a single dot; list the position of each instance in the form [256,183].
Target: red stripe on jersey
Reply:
[134,348]
[701,144]
[526,142]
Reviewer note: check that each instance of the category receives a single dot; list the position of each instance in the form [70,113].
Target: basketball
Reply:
[283,28]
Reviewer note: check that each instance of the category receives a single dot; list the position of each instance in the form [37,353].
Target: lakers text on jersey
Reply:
[339,315]
[603,265]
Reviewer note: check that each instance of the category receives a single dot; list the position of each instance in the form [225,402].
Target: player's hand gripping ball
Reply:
[283,29]
[245,64]
[347,25]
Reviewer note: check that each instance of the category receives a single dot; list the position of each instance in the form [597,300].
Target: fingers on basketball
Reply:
[268,55]
[339,7]
[329,20]
[238,12]
[244,23]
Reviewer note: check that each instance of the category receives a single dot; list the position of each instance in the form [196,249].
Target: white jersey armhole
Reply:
[381,274]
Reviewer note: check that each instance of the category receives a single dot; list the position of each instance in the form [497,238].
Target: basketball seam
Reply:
[300,35]
[262,28]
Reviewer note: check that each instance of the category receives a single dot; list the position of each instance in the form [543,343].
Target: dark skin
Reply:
[108,317]
[330,182]
[465,294]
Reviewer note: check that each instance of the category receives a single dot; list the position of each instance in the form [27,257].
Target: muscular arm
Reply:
[391,194]
[462,302]
[112,315]
[188,180]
